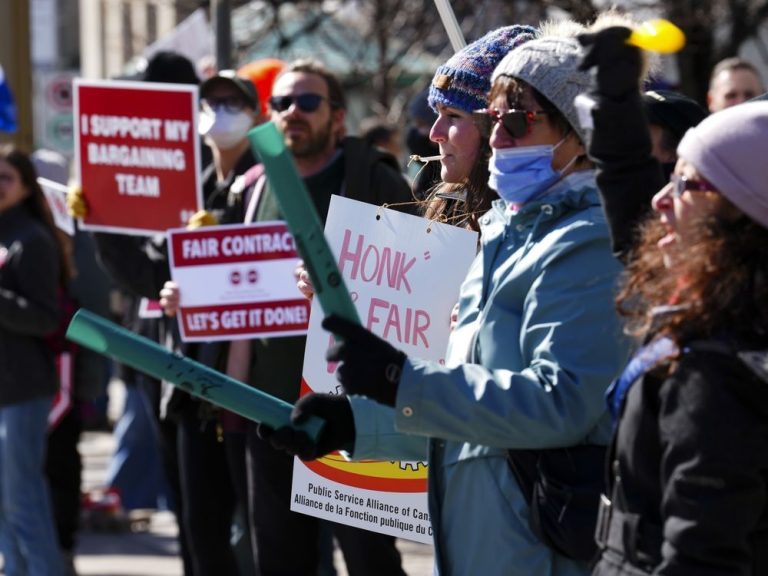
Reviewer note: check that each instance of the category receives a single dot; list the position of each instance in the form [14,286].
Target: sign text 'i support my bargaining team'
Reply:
[137,155]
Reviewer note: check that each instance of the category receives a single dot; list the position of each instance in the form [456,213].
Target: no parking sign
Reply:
[59,92]
[53,123]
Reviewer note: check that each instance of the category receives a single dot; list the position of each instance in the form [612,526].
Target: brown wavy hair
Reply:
[38,205]
[718,286]
[479,195]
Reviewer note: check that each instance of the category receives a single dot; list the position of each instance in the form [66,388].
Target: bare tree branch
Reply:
[404,30]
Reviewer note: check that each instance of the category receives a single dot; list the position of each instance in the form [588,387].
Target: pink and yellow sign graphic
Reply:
[403,273]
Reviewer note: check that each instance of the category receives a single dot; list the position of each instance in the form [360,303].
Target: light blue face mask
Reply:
[520,173]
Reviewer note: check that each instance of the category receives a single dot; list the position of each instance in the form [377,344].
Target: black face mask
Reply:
[419,143]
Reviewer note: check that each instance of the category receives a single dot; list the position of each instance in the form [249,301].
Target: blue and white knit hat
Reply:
[464,81]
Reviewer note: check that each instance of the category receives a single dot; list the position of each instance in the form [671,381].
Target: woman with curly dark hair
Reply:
[34,265]
[688,482]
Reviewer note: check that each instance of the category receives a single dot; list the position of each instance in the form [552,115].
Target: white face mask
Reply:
[224,128]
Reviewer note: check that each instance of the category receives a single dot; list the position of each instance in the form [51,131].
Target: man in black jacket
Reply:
[308,107]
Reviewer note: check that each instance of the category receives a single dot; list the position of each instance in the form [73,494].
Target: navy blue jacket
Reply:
[29,307]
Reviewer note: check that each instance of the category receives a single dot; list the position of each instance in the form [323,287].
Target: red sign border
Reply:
[144,86]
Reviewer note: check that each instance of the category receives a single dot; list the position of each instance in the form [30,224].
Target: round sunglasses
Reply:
[307,102]
[516,122]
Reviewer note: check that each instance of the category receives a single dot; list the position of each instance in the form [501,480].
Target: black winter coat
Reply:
[29,307]
[689,469]
[627,174]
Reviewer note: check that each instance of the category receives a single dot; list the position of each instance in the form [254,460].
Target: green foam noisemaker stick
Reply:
[303,222]
[105,337]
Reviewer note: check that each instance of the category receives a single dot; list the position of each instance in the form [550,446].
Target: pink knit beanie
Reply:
[730,149]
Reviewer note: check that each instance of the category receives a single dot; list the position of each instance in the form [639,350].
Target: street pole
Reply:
[16,61]
[222,25]
[452,28]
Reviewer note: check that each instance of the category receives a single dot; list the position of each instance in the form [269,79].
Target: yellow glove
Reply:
[201,218]
[76,203]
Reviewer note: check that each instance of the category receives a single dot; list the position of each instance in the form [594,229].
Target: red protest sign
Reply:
[237,281]
[138,155]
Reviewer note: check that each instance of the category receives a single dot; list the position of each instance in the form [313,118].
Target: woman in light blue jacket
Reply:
[536,344]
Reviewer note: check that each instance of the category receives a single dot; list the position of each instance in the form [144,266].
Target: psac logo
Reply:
[251,276]
[372,474]
[403,477]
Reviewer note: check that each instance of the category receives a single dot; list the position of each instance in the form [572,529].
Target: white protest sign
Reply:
[403,274]
[56,195]
[237,282]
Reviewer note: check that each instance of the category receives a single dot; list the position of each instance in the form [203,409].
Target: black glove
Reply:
[369,365]
[618,64]
[338,433]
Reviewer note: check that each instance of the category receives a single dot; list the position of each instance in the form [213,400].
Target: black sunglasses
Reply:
[308,102]
[516,122]
[230,103]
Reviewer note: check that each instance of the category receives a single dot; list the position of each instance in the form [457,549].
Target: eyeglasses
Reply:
[516,122]
[232,104]
[680,184]
[308,102]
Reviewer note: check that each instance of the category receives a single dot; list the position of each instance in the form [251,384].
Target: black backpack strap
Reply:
[242,191]
[524,465]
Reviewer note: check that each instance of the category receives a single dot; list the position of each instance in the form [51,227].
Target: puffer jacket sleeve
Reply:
[713,460]
[570,347]
[627,174]
[30,304]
